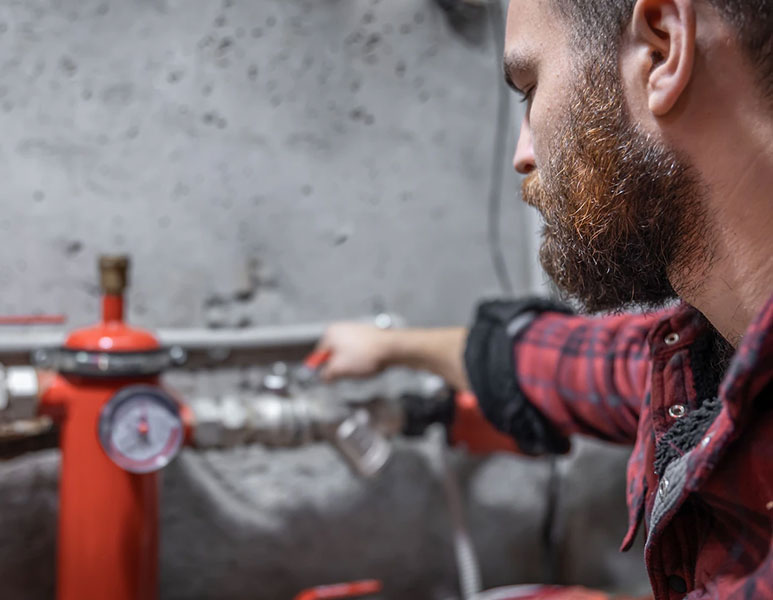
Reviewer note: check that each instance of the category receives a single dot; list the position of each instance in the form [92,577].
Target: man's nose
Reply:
[523,161]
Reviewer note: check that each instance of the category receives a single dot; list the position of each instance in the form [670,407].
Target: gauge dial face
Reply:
[140,429]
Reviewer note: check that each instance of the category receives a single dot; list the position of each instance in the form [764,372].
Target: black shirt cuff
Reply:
[491,370]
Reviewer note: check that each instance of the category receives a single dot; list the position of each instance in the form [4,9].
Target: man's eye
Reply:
[527,94]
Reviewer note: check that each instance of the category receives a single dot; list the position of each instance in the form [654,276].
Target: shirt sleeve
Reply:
[542,374]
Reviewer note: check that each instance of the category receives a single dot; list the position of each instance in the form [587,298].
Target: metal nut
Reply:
[671,339]
[178,355]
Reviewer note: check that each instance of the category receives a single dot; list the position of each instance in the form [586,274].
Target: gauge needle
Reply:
[143,427]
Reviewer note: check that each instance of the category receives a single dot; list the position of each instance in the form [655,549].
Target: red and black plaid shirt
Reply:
[708,510]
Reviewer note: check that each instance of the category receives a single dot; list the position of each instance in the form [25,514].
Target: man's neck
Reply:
[739,279]
[737,286]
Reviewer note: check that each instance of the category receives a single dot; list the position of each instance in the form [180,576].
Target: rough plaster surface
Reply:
[267,162]
[261,161]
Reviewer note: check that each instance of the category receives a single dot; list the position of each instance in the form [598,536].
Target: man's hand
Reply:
[356,350]
[359,350]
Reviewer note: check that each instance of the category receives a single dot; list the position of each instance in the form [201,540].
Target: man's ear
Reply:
[663,32]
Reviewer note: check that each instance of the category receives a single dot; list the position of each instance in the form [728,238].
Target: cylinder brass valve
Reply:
[113,274]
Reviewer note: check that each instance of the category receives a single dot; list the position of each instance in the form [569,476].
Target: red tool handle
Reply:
[341,590]
[317,358]
[32,320]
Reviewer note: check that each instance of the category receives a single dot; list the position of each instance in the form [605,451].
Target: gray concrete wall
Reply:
[338,151]
[264,162]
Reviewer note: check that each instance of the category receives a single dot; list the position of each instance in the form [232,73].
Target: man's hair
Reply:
[600,23]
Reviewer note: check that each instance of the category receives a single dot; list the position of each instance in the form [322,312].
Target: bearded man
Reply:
[647,146]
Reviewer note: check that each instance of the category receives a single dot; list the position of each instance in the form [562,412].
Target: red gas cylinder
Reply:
[472,430]
[117,428]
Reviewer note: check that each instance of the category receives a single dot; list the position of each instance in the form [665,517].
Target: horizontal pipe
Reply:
[242,339]
[15,320]
[201,347]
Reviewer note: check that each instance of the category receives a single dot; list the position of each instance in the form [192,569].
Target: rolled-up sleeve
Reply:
[542,374]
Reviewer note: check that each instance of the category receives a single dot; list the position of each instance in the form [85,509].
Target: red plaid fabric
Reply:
[709,516]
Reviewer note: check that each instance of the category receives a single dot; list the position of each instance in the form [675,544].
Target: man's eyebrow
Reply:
[516,62]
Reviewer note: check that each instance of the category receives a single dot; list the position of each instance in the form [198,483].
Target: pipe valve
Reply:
[19,392]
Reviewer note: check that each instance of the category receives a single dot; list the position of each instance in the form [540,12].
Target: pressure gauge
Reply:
[140,428]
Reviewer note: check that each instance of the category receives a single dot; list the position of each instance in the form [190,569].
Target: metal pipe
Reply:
[197,347]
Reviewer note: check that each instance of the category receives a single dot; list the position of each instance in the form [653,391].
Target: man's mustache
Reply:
[531,190]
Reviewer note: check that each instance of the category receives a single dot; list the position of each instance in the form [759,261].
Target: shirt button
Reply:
[677,411]
[663,487]
[671,339]
[677,584]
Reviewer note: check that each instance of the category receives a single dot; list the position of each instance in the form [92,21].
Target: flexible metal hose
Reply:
[466,559]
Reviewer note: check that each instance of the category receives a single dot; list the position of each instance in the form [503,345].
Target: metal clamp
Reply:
[19,392]
[106,364]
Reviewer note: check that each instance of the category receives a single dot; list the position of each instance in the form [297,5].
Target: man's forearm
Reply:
[440,351]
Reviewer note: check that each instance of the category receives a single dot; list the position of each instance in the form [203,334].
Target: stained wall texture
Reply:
[334,155]
[268,162]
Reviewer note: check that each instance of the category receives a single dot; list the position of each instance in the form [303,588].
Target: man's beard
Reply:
[622,213]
